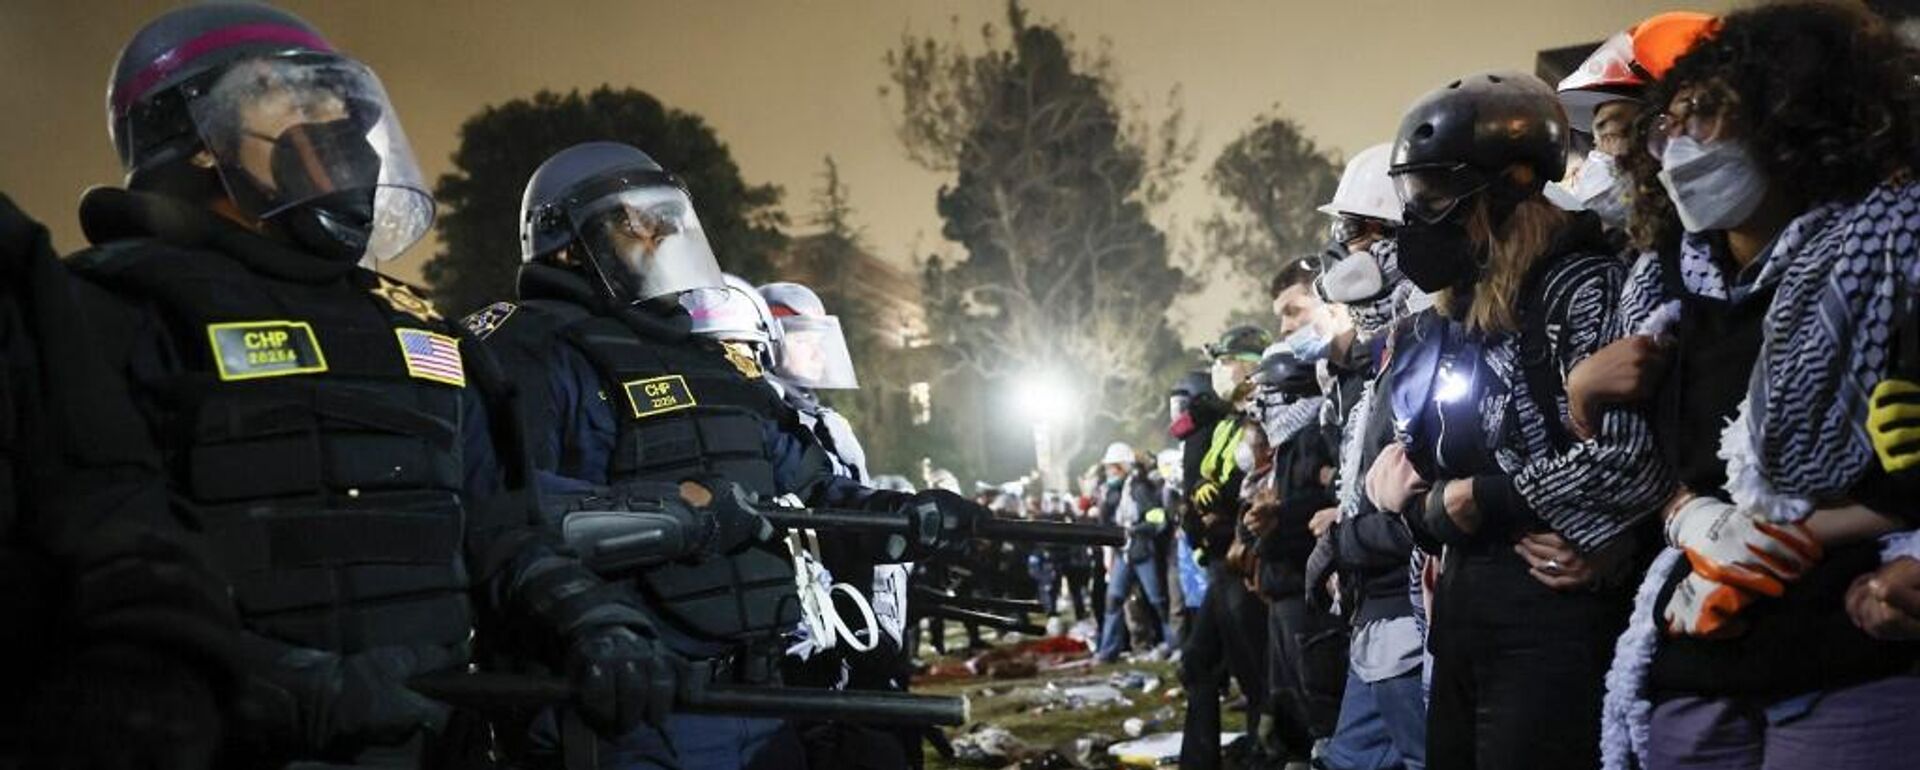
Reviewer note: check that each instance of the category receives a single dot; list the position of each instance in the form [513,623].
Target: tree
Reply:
[829,258]
[502,145]
[831,253]
[1273,178]
[1064,277]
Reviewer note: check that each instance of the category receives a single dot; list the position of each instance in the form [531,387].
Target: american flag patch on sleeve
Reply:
[432,356]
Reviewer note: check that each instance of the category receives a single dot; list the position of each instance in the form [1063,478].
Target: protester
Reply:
[1286,488]
[1229,634]
[1772,328]
[1483,458]
[1131,499]
[1366,550]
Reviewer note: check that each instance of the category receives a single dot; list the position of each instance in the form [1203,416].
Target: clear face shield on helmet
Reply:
[813,353]
[648,240]
[310,143]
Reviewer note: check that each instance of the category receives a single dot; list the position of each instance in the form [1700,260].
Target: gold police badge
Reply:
[742,358]
[403,298]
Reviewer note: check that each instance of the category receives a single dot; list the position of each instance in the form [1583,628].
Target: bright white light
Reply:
[1043,398]
[1451,387]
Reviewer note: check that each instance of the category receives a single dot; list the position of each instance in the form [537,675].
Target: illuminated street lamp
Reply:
[1045,400]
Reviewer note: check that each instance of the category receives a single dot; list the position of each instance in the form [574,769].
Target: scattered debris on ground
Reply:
[1064,712]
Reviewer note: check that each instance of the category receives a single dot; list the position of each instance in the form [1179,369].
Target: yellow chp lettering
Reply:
[269,347]
[266,340]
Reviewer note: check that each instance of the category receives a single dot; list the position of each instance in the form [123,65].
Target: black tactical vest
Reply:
[685,410]
[313,431]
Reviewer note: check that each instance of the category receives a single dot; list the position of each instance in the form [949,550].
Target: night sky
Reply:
[786,82]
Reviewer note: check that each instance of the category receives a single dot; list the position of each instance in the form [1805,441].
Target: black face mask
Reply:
[309,162]
[1438,256]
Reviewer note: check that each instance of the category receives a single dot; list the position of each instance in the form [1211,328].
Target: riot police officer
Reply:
[117,626]
[319,422]
[621,392]
[744,320]
[810,355]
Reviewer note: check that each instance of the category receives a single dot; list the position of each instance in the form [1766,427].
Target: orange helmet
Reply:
[1663,38]
[1623,66]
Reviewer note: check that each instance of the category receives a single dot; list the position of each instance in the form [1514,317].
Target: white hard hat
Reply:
[1117,452]
[1365,189]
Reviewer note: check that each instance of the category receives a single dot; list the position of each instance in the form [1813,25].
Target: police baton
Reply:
[975,603]
[918,610]
[490,691]
[885,523]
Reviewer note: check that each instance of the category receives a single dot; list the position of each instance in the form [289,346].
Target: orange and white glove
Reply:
[1703,607]
[1732,547]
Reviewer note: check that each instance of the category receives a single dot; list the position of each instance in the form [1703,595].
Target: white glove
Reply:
[1733,547]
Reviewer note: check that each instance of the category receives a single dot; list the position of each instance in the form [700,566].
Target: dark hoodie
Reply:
[1207,411]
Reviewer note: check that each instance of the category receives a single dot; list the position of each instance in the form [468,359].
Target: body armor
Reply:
[313,431]
[683,410]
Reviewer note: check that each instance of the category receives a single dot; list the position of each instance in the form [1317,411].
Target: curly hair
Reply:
[1652,222]
[1824,91]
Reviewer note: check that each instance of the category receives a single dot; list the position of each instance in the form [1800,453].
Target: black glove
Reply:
[943,523]
[1431,526]
[622,679]
[731,519]
[122,707]
[330,704]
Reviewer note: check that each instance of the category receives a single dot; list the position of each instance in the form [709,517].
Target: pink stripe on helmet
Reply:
[705,313]
[227,37]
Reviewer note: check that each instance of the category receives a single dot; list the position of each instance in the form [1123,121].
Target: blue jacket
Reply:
[571,455]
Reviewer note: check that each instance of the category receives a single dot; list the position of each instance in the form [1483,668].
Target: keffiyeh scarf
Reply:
[1292,418]
[1371,317]
[1846,276]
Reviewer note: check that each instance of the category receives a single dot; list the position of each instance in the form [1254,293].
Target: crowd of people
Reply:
[1588,440]
[1586,443]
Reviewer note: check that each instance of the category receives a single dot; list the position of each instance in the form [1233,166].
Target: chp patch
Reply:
[246,350]
[489,318]
[659,395]
[434,357]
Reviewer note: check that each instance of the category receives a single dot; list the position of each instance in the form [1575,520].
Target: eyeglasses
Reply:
[1702,118]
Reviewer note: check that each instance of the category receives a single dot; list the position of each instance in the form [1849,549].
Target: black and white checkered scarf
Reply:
[1846,274]
[1371,317]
